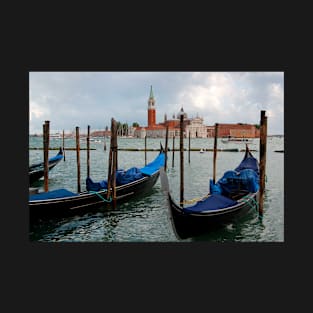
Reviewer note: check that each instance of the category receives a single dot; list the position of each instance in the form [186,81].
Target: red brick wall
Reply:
[171,123]
[151,117]
[238,130]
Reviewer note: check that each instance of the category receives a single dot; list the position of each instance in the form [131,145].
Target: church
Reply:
[192,126]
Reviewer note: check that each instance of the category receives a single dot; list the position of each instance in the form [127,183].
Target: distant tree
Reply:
[122,129]
[135,124]
[257,126]
[125,129]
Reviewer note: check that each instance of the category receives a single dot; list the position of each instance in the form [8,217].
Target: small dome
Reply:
[181,112]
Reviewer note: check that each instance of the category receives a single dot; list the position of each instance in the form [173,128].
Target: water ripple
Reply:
[147,219]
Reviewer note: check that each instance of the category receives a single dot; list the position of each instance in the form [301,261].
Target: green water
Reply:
[146,219]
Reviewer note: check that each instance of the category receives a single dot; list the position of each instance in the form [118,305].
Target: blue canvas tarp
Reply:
[154,166]
[58,193]
[96,186]
[213,202]
[232,181]
[55,158]
[248,163]
[124,177]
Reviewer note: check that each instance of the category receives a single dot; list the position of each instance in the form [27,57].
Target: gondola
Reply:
[233,196]
[36,171]
[63,203]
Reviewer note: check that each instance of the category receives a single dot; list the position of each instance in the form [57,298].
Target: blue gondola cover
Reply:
[55,158]
[124,177]
[213,202]
[248,163]
[58,193]
[154,166]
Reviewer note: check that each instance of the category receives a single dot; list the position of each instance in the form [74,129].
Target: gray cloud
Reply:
[70,99]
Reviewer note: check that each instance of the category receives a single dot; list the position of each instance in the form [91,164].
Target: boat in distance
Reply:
[236,139]
[233,196]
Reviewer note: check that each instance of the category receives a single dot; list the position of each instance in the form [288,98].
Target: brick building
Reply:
[192,126]
[238,130]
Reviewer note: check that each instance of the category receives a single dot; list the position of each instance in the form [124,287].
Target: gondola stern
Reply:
[162,150]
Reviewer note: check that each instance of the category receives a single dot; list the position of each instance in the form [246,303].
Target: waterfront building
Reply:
[153,130]
[192,126]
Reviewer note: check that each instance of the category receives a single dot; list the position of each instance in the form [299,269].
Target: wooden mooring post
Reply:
[173,151]
[166,147]
[215,151]
[63,145]
[112,163]
[88,151]
[114,168]
[46,130]
[181,148]
[145,150]
[78,158]
[189,147]
[104,145]
[263,140]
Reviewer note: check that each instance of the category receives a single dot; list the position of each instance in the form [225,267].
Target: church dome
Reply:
[181,112]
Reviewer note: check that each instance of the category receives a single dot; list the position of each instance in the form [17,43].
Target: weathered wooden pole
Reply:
[166,147]
[214,151]
[114,166]
[263,139]
[78,158]
[145,149]
[181,148]
[173,151]
[88,151]
[63,143]
[112,163]
[116,158]
[110,169]
[46,131]
[189,147]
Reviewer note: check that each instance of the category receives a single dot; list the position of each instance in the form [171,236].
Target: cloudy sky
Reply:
[70,99]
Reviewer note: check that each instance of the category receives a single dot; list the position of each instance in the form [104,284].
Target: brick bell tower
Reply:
[151,110]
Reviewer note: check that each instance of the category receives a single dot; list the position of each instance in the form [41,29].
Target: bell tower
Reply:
[151,110]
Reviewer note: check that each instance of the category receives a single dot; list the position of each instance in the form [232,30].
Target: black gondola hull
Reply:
[36,171]
[89,201]
[186,225]
[37,174]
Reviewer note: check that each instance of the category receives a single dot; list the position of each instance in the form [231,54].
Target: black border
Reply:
[61,269]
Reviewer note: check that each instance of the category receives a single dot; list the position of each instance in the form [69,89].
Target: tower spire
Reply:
[151,109]
[151,92]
